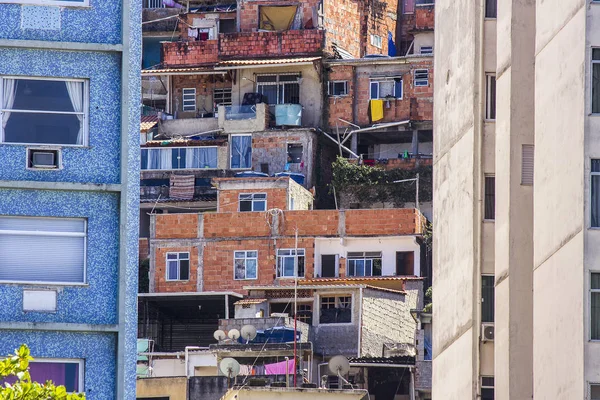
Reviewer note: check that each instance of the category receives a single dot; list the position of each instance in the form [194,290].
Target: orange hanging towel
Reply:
[376,110]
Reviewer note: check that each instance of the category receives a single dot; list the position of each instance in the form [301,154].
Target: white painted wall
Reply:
[253,311]
[388,245]
[175,365]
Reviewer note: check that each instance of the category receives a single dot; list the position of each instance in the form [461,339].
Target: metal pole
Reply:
[295,304]
[417,201]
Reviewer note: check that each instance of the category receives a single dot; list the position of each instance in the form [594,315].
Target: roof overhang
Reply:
[181,71]
[199,295]
[244,64]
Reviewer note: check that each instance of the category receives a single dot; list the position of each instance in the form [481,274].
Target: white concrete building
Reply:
[516,91]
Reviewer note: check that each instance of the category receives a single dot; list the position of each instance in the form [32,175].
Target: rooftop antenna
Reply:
[248,332]
[339,366]
[219,335]
[234,334]
[230,368]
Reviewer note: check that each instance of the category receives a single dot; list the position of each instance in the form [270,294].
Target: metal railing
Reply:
[153,4]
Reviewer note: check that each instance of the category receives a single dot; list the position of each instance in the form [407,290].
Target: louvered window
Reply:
[45,250]
[527,152]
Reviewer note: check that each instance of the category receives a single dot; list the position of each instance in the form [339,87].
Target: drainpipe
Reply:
[360,310]
[187,348]
[412,384]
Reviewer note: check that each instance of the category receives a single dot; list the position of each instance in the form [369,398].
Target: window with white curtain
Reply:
[241,151]
[179,158]
[44,111]
[245,263]
[178,266]
[42,250]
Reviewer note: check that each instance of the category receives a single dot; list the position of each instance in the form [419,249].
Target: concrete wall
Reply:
[388,246]
[310,89]
[457,141]
[386,319]
[173,388]
[292,394]
[207,387]
[259,121]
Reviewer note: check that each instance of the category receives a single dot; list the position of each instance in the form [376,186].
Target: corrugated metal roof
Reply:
[354,279]
[181,71]
[249,301]
[269,61]
[396,360]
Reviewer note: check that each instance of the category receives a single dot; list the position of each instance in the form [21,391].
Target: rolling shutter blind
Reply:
[527,152]
[42,249]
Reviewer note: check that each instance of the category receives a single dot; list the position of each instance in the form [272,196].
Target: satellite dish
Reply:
[229,367]
[248,332]
[219,335]
[339,365]
[234,334]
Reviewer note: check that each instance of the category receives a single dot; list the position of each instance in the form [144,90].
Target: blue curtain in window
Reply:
[391,45]
[241,151]
[201,157]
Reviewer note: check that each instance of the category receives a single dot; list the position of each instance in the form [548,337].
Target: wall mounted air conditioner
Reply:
[43,158]
[487,332]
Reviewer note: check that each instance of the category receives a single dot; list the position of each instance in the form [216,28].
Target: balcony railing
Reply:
[153,4]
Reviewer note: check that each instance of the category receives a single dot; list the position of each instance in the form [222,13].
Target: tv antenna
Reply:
[234,334]
[230,368]
[248,333]
[339,366]
[219,335]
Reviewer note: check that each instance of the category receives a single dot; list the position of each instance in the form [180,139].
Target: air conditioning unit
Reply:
[43,158]
[487,332]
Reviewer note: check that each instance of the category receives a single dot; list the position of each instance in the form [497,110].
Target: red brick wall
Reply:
[343,25]
[218,262]
[144,248]
[380,19]
[383,222]
[266,44]
[160,277]
[176,226]
[204,85]
[341,107]
[228,225]
[424,17]
[229,199]
[181,54]
[311,222]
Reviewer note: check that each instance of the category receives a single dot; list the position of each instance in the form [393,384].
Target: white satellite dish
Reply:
[234,334]
[339,365]
[219,335]
[248,332]
[229,367]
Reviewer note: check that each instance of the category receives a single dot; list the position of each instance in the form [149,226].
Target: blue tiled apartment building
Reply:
[69,189]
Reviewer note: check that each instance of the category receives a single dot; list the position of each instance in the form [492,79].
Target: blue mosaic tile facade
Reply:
[98,163]
[100,293]
[94,348]
[99,23]
[112,258]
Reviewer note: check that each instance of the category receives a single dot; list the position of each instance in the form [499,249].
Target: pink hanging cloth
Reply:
[279,368]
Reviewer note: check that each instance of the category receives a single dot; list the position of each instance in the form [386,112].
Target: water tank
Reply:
[288,114]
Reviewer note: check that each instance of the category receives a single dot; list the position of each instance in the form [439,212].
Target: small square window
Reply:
[253,202]
[178,266]
[286,263]
[421,77]
[245,265]
[426,50]
[338,88]
[295,153]
[335,310]
[376,41]
[189,99]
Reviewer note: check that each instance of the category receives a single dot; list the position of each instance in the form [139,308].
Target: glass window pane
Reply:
[251,269]
[595,201]
[595,281]
[171,256]
[240,269]
[47,95]
[252,254]
[374,90]
[66,374]
[595,392]
[260,196]
[245,205]
[595,316]
[172,270]
[487,298]
[260,205]
[239,254]
[184,270]
[490,198]
[38,128]
[288,266]
[184,256]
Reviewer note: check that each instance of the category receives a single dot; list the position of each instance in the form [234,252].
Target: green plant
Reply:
[428,296]
[17,365]
[373,184]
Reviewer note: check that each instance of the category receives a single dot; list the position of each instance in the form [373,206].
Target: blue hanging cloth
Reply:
[391,45]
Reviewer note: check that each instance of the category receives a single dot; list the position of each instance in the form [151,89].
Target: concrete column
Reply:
[515,83]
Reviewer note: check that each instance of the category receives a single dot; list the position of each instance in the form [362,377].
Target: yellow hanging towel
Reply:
[376,110]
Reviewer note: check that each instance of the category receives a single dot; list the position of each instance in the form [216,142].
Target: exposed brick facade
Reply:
[270,44]
[189,54]
[249,12]
[424,17]
[229,199]
[204,85]
[144,248]
[223,233]
[416,103]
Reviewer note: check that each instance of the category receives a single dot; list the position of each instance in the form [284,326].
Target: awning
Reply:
[240,64]
[181,71]
[148,122]
[397,361]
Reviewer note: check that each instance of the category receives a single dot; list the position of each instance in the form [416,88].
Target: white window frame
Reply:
[49,233]
[592,73]
[221,93]
[385,79]
[590,384]
[180,169]
[278,83]
[426,50]
[376,41]
[337,297]
[71,4]
[363,258]
[294,253]
[191,92]
[330,87]
[245,258]
[420,81]
[231,152]
[86,105]
[252,200]
[79,361]
[189,260]
[592,174]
